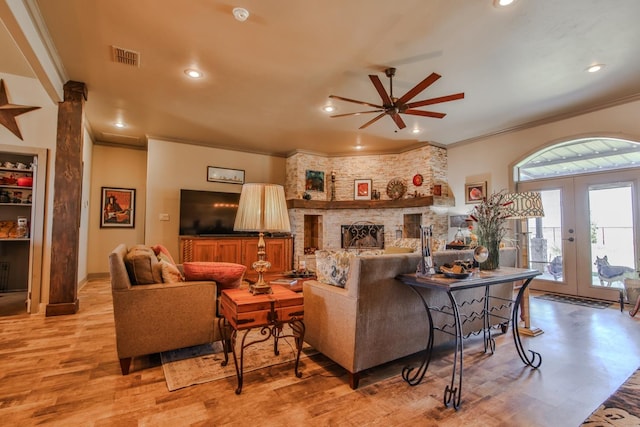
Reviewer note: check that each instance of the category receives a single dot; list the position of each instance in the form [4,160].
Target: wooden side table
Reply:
[242,311]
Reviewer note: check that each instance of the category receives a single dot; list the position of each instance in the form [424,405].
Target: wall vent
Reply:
[125,56]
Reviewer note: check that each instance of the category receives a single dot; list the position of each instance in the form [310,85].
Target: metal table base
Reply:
[453,391]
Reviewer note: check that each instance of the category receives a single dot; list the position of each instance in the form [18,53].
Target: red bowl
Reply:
[25,181]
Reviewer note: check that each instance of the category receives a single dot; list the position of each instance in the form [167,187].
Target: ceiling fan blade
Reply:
[355,101]
[399,122]
[436,100]
[356,113]
[425,113]
[386,99]
[419,88]
[370,122]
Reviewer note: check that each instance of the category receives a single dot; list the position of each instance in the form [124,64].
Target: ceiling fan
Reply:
[395,106]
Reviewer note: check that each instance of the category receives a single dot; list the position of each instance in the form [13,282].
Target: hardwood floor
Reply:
[64,371]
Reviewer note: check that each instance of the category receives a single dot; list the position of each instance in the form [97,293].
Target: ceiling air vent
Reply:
[125,56]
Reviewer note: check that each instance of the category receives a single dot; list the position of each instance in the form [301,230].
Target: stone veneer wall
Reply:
[429,161]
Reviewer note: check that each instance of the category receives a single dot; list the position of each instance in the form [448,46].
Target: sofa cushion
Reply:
[332,267]
[170,273]
[163,254]
[398,250]
[406,242]
[227,275]
[143,266]
[369,252]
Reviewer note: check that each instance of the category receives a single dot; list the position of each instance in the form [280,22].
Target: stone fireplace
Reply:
[318,223]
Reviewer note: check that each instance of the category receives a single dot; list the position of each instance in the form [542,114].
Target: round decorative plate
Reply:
[417,180]
[396,188]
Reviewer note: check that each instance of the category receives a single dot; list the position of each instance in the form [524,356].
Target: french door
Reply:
[586,244]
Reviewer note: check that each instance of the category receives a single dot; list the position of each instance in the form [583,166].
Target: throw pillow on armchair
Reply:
[227,275]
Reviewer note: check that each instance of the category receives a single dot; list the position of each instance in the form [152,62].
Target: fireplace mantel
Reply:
[412,202]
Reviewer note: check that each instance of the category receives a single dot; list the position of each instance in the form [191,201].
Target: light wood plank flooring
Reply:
[64,371]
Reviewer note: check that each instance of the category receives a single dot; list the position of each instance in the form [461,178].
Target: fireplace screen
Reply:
[362,235]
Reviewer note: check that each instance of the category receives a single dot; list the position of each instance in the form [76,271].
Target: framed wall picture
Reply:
[314,180]
[362,189]
[229,176]
[474,193]
[118,207]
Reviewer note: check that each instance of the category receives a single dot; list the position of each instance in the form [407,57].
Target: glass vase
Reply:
[492,243]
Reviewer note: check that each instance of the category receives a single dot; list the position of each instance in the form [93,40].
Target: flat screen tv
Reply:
[208,213]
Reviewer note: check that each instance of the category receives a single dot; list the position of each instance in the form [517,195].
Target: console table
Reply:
[453,391]
[242,311]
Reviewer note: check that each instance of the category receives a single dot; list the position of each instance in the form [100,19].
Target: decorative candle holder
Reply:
[333,185]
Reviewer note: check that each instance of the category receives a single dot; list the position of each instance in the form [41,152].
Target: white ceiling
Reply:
[266,79]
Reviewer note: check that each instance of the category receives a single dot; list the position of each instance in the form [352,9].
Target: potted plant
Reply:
[490,216]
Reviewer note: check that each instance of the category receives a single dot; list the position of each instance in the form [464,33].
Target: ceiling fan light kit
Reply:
[393,106]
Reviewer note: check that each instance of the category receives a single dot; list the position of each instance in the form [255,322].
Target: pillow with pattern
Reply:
[163,254]
[170,273]
[369,252]
[406,242]
[332,267]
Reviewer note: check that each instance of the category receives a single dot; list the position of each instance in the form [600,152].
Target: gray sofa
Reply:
[156,317]
[375,318]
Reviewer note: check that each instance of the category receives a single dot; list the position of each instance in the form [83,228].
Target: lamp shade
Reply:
[527,204]
[262,208]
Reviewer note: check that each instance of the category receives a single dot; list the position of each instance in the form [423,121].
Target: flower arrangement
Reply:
[490,216]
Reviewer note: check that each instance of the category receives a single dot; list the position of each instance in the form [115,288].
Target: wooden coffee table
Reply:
[242,311]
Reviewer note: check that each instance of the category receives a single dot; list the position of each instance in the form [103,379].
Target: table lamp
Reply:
[262,208]
[525,205]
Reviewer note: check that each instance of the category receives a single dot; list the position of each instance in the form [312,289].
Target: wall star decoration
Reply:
[8,112]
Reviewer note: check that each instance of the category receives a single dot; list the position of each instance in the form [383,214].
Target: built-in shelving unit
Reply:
[16,201]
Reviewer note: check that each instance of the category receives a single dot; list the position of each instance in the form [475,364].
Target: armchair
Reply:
[156,317]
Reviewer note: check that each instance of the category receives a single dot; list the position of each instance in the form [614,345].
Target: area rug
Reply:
[622,408]
[585,302]
[203,363]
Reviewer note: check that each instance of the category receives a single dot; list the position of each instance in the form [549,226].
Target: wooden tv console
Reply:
[240,250]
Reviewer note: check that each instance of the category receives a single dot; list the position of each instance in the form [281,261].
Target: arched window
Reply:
[579,156]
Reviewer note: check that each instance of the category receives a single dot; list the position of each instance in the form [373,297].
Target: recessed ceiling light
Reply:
[119,124]
[416,130]
[358,147]
[328,108]
[193,73]
[241,14]
[595,68]
[502,3]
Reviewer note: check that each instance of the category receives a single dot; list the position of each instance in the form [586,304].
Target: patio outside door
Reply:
[587,217]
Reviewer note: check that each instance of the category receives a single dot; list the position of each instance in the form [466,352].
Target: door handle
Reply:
[571,239]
